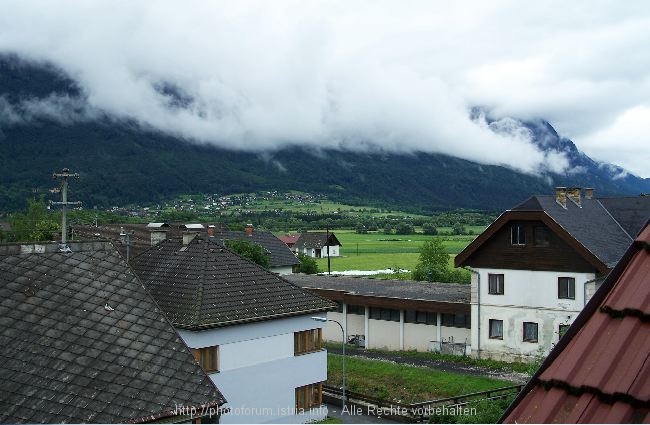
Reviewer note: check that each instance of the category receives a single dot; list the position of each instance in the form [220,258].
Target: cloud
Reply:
[363,75]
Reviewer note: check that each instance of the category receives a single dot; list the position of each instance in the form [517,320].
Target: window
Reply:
[421,317]
[530,332]
[208,358]
[309,396]
[495,284]
[517,235]
[566,288]
[496,329]
[307,341]
[339,307]
[384,314]
[541,236]
[456,320]
[562,330]
[356,309]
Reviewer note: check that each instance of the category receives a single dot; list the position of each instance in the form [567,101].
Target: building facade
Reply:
[537,265]
[251,330]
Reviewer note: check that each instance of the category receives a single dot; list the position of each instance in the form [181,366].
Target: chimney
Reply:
[188,237]
[589,193]
[574,194]
[158,236]
[249,229]
[560,196]
[211,230]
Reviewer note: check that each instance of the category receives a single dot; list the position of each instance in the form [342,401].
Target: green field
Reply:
[376,251]
[402,383]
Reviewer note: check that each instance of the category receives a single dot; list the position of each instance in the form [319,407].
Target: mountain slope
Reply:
[119,162]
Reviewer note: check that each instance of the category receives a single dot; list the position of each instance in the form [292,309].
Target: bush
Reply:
[307,265]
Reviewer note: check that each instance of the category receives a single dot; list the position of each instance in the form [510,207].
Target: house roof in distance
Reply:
[204,285]
[600,370]
[280,254]
[81,340]
[601,229]
[316,240]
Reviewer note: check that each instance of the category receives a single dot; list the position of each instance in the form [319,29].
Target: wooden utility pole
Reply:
[64,175]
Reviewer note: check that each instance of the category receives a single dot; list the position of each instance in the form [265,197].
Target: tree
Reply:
[360,228]
[308,265]
[458,229]
[388,229]
[433,263]
[250,250]
[404,229]
[429,228]
[37,224]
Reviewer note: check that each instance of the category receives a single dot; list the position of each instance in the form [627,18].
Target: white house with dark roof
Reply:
[395,314]
[318,245]
[537,265]
[82,341]
[250,329]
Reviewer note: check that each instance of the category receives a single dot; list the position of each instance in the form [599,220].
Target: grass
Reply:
[403,383]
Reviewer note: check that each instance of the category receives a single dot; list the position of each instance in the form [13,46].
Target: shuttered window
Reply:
[309,396]
[208,358]
[307,341]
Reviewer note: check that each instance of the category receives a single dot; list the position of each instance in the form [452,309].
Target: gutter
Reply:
[478,312]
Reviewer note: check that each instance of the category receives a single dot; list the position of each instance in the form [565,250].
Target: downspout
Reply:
[478,309]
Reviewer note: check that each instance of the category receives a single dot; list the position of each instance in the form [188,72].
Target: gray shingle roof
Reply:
[81,340]
[408,290]
[316,240]
[280,254]
[203,284]
[602,226]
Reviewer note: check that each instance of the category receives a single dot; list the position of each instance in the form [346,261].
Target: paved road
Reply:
[355,417]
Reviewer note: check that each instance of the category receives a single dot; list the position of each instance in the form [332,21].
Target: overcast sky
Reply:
[400,75]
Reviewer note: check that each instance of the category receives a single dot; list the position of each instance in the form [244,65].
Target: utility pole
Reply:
[64,175]
[327,244]
[125,237]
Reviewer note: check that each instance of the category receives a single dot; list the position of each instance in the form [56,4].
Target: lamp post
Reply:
[324,319]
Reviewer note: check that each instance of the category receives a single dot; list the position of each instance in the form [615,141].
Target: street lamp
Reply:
[324,319]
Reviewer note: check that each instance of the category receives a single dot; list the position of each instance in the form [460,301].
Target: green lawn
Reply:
[403,383]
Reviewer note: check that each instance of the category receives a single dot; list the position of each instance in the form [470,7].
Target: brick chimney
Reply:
[211,230]
[574,193]
[589,193]
[249,229]
[560,196]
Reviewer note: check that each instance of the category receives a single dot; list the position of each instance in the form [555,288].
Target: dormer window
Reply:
[517,235]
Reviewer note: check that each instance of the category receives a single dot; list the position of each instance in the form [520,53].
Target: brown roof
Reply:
[600,370]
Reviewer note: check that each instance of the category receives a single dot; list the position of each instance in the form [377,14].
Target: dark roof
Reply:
[600,370]
[81,340]
[203,284]
[412,290]
[316,240]
[280,254]
[140,234]
[601,229]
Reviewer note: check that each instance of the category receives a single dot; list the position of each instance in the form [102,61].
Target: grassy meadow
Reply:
[377,251]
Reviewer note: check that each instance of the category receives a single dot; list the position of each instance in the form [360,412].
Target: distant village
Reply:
[173,324]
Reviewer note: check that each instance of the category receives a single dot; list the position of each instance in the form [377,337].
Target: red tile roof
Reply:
[600,370]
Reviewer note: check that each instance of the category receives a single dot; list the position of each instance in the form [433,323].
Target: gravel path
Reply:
[515,377]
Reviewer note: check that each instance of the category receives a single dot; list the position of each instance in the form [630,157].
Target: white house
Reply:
[251,330]
[537,265]
[318,245]
[395,314]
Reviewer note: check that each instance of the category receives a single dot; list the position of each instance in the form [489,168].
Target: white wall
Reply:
[383,334]
[281,270]
[258,372]
[529,296]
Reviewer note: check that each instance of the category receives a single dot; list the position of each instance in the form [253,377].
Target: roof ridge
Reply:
[615,221]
